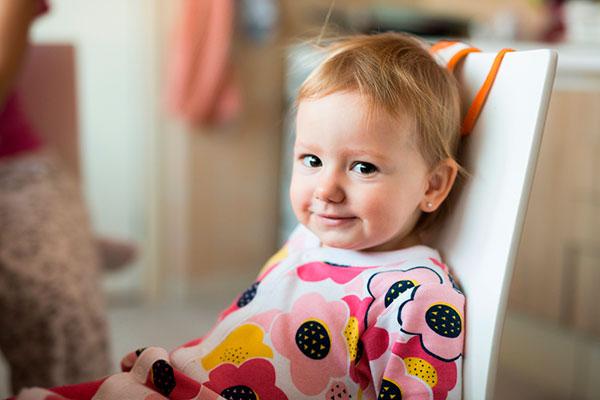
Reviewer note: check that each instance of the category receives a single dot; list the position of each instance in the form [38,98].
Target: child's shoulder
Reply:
[425,266]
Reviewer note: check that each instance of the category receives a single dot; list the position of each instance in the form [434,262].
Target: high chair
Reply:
[480,238]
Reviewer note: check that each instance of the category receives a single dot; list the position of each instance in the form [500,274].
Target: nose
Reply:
[329,188]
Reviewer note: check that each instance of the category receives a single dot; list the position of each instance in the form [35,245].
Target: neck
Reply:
[412,239]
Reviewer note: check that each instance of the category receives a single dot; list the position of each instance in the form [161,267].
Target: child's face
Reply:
[356,185]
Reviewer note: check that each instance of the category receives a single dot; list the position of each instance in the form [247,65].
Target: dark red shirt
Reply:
[17,135]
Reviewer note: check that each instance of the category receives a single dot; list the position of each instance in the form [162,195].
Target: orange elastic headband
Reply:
[449,54]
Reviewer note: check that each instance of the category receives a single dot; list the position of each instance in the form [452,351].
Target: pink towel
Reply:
[200,85]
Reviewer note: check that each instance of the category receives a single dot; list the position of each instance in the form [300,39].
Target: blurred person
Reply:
[355,305]
[53,328]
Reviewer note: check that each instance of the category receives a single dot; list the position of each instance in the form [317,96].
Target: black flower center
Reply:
[396,289]
[163,377]
[313,340]
[239,392]
[389,391]
[248,295]
[444,320]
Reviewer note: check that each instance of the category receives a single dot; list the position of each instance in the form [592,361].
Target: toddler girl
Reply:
[354,306]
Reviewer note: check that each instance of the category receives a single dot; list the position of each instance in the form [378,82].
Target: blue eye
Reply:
[364,168]
[311,161]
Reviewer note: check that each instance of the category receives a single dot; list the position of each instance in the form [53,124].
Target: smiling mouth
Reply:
[334,220]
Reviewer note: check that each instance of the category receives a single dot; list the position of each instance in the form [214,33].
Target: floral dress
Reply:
[318,323]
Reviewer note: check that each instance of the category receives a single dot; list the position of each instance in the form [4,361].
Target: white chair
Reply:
[480,239]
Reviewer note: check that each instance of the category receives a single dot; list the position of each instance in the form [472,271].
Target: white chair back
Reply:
[480,238]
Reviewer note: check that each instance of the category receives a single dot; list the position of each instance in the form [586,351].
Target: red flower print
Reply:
[319,271]
[254,379]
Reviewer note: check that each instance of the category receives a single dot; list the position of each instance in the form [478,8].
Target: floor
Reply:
[537,361]
[133,326]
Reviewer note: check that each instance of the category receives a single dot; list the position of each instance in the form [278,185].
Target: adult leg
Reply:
[52,314]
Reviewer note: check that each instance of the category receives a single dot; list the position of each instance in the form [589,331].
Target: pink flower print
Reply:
[447,271]
[440,264]
[129,359]
[440,376]
[436,314]
[357,285]
[265,319]
[372,345]
[387,286]
[38,394]
[311,336]
[151,396]
[358,309]
[398,384]
[338,391]
[319,271]
[254,379]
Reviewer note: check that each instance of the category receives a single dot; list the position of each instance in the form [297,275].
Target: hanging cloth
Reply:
[449,54]
[200,85]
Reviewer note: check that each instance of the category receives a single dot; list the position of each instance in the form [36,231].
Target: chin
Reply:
[341,244]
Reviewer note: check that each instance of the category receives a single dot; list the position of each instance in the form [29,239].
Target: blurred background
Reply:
[205,197]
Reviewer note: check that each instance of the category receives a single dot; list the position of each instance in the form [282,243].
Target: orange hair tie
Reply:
[477,104]
[459,56]
[453,57]
[442,44]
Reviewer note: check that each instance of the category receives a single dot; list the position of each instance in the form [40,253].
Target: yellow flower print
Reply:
[422,369]
[351,334]
[244,343]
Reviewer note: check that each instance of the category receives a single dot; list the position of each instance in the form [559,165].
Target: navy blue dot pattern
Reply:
[248,295]
[444,320]
[239,392]
[313,340]
[396,289]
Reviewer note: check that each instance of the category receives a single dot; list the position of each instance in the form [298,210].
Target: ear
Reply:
[439,182]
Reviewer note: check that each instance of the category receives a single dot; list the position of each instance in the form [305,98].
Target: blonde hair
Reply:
[396,73]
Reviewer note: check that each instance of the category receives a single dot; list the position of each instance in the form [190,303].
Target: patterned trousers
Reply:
[53,328]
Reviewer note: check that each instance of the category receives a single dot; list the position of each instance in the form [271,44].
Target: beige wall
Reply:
[219,186]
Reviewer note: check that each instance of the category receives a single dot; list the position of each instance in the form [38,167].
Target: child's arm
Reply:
[425,335]
[151,377]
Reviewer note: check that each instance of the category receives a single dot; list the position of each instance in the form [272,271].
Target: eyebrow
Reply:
[306,147]
[358,153]
[352,153]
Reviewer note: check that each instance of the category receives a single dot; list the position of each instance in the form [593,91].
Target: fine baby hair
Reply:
[396,73]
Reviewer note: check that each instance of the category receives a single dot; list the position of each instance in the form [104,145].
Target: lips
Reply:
[334,220]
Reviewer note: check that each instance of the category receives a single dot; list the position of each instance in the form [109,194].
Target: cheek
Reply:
[385,208]
[379,213]
[300,194]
